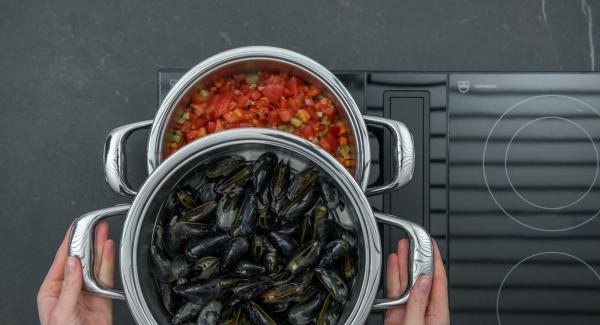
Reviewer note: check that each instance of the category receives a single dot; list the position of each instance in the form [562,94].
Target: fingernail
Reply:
[424,282]
[71,266]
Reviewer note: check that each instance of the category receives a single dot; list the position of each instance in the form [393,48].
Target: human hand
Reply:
[428,301]
[61,300]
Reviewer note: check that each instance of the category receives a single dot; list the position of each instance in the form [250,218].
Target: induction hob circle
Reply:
[583,266]
[517,214]
[540,205]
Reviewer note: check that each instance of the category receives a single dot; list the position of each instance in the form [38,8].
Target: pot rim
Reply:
[297,60]
[191,153]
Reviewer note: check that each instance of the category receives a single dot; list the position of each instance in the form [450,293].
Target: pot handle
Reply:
[402,149]
[81,244]
[115,159]
[420,257]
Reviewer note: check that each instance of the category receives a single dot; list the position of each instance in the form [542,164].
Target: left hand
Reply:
[61,299]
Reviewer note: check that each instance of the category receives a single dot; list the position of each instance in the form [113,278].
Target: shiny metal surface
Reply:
[115,158]
[81,244]
[402,148]
[420,257]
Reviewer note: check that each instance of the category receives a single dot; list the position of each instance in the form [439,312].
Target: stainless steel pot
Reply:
[251,59]
[139,290]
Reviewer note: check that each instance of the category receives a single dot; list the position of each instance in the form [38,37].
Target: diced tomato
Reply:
[325,145]
[294,85]
[318,127]
[286,115]
[330,111]
[202,131]
[303,115]
[273,92]
[187,125]
[311,111]
[313,91]
[211,126]
[333,129]
[287,92]
[332,139]
[255,94]
[191,135]
[200,122]
[243,101]
[219,126]
[274,117]
[231,117]
[307,131]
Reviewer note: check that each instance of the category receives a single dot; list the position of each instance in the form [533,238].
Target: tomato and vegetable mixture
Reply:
[280,101]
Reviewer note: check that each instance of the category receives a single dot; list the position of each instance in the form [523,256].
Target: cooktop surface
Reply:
[506,181]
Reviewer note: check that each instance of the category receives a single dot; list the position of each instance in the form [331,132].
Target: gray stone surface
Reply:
[72,71]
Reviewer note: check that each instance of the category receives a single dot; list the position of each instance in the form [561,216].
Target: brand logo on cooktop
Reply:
[463,86]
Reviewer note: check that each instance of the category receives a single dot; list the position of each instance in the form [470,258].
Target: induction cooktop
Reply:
[506,181]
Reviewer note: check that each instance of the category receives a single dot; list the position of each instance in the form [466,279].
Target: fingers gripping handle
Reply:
[115,158]
[82,245]
[420,257]
[403,154]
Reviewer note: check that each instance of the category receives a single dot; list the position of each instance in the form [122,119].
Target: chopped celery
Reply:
[176,138]
[204,93]
[180,120]
[185,116]
[251,79]
[296,122]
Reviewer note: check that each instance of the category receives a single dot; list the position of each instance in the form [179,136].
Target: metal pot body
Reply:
[139,290]
[270,59]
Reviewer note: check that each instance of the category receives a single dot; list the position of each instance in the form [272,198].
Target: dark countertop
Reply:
[71,72]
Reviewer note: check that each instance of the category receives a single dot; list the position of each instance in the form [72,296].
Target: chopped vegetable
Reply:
[273,100]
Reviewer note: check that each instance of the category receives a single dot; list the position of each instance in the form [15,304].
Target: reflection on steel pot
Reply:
[139,290]
[269,59]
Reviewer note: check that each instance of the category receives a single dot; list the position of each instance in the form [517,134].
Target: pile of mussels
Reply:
[252,242]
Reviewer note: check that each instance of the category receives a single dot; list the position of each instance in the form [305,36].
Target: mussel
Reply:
[234,182]
[223,166]
[207,266]
[333,251]
[245,222]
[180,267]
[286,244]
[233,250]
[279,182]
[334,283]
[247,269]
[210,288]
[282,293]
[227,210]
[200,247]
[209,315]
[330,193]
[301,183]
[183,231]
[306,312]
[297,208]
[257,315]
[251,289]
[160,265]
[262,171]
[187,312]
[186,198]
[330,312]
[169,299]
[230,313]
[200,213]
[305,257]
[171,244]
[270,257]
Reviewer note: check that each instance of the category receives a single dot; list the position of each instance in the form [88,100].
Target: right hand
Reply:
[428,301]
